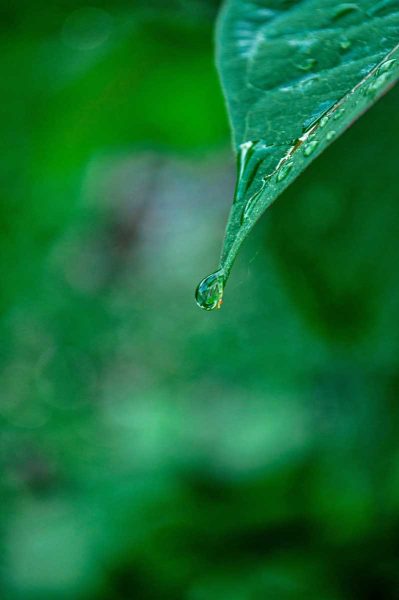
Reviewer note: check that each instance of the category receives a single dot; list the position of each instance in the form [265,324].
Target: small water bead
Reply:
[330,135]
[375,87]
[310,147]
[243,152]
[380,78]
[345,44]
[338,114]
[342,10]
[306,64]
[318,115]
[323,121]
[250,205]
[378,82]
[209,293]
[306,82]
[250,156]
[386,67]
[242,157]
[284,170]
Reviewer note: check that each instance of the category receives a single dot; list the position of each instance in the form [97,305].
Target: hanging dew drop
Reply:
[209,293]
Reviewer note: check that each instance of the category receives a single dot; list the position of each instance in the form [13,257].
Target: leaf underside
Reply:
[296,74]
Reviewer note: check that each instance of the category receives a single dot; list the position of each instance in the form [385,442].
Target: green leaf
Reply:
[295,74]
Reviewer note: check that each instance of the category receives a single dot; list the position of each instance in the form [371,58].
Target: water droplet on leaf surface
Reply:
[338,114]
[250,205]
[342,10]
[306,64]
[386,67]
[310,147]
[345,44]
[377,82]
[284,170]
[209,293]
[318,116]
[250,156]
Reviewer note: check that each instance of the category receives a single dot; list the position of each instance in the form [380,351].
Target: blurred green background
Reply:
[148,449]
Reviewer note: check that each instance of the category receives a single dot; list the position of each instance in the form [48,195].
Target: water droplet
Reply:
[323,121]
[250,156]
[306,82]
[342,10]
[243,152]
[345,44]
[317,115]
[250,205]
[330,135]
[306,64]
[284,170]
[376,84]
[338,114]
[310,147]
[380,77]
[209,293]
[386,66]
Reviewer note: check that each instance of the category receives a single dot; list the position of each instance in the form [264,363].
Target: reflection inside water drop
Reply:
[209,293]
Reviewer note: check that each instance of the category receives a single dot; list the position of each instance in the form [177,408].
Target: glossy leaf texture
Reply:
[295,74]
